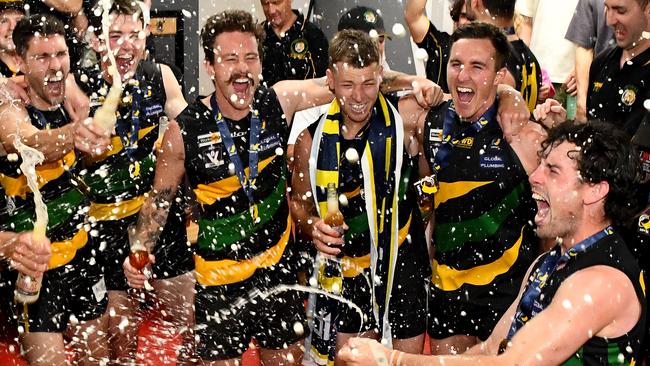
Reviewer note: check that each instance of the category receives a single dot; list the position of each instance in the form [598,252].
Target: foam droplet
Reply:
[398,30]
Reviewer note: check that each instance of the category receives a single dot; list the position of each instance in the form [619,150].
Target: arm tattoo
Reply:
[153,216]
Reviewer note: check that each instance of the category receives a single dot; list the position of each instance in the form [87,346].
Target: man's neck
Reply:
[10,59]
[583,232]
[486,106]
[285,27]
[226,109]
[350,129]
[39,103]
[639,47]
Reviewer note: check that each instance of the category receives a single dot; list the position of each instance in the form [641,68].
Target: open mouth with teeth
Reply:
[465,95]
[241,86]
[54,83]
[124,63]
[543,209]
[358,108]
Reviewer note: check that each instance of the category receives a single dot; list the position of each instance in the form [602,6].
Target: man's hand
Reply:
[550,113]
[324,236]
[134,277]
[427,93]
[571,83]
[14,88]
[363,352]
[513,113]
[91,138]
[28,256]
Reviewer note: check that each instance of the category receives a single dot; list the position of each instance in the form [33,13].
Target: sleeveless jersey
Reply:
[483,238]
[65,202]
[118,179]
[525,68]
[231,244]
[610,251]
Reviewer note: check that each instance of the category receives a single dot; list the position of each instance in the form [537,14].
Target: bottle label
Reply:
[28,286]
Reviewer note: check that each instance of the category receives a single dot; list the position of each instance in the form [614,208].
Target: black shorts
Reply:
[458,313]
[173,253]
[76,290]
[228,316]
[407,313]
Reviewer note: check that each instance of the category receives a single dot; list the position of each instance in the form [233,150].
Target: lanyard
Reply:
[129,136]
[529,306]
[247,183]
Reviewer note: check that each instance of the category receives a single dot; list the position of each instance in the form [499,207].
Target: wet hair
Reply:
[38,24]
[229,21]
[643,3]
[605,154]
[353,47]
[480,30]
[456,9]
[119,7]
[503,9]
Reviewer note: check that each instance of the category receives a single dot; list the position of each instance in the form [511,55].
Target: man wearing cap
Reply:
[370,21]
[10,13]
[294,48]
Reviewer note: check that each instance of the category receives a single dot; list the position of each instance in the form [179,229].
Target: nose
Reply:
[536,177]
[357,93]
[610,17]
[462,73]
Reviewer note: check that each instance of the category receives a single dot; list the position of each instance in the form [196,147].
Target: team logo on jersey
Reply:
[213,158]
[596,87]
[299,48]
[465,142]
[629,95]
[492,162]
[209,139]
[644,223]
[370,17]
[11,205]
[435,135]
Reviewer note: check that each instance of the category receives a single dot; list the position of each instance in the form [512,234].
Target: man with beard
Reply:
[10,13]
[73,295]
[119,180]
[233,156]
[586,295]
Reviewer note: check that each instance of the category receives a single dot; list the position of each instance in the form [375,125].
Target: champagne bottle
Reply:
[333,217]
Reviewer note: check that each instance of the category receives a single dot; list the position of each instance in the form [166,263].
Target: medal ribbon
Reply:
[529,306]
[247,183]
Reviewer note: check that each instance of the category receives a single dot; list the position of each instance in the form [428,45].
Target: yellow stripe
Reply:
[64,251]
[224,272]
[372,184]
[331,176]
[17,187]
[116,143]
[115,211]
[448,191]
[321,356]
[352,194]
[331,127]
[208,194]
[353,266]
[642,282]
[327,283]
[384,108]
[449,279]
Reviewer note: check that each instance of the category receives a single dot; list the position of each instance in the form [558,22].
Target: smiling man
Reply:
[10,13]
[119,180]
[585,297]
[482,233]
[73,296]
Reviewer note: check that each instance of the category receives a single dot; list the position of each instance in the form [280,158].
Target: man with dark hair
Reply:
[524,71]
[482,233]
[10,13]
[73,296]
[586,295]
[233,156]
[618,76]
[119,181]
[294,47]
[367,20]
